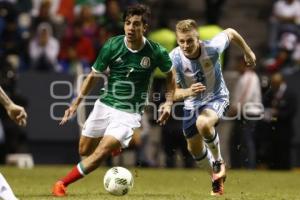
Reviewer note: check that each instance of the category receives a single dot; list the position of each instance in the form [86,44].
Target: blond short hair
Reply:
[186,25]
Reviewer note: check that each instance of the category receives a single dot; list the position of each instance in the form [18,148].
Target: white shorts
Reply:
[105,120]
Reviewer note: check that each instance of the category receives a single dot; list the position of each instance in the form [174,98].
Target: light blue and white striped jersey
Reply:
[205,69]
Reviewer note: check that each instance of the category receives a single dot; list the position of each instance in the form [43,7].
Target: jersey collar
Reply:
[135,51]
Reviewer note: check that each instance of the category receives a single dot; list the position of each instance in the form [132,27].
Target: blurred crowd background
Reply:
[47,46]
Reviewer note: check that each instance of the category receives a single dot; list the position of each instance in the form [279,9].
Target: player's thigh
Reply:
[87,145]
[97,122]
[208,118]
[210,114]
[123,133]
[195,144]
[122,126]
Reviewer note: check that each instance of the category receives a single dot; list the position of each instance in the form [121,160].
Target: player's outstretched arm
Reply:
[165,108]
[15,112]
[86,87]
[193,90]
[249,55]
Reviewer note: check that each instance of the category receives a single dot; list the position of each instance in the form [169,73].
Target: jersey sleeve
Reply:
[176,63]
[220,42]
[103,58]
[164,61]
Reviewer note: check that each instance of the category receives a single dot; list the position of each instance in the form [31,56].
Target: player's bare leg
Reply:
[199,151]
[136,139]
[205,125]
[6,192]
[103,150]
[87,145]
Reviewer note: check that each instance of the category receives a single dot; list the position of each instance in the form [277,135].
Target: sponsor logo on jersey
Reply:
[145,62]
[119,60]
[206,63]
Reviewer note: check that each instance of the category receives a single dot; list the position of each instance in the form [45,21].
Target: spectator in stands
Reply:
[280,110]
[110,24]
[46,11]
[87,21]
[11,43]
[44,8]
[66,10]
[76,48]
[285,17]
[43,49]
[41,12]
[98,6]
[112,19]
[247,108]
[283,59]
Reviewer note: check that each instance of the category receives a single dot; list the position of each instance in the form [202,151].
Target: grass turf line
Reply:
[157,184]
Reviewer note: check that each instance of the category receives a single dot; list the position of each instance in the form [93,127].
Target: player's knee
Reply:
[203,126]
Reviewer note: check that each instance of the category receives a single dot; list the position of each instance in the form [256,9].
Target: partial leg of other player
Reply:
[6,192]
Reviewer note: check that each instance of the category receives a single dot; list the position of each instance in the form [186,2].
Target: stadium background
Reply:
[30,83]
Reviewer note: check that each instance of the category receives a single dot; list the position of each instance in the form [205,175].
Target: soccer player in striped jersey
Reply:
[200,83]
[131,60]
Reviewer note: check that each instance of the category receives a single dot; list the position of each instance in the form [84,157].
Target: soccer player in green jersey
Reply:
[131,59]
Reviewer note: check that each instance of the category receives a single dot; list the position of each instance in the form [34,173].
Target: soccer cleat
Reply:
[218,170]
[59,189]
[218,178]
[218,187]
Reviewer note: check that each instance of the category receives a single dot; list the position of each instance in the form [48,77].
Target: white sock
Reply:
[214,145]
[204,160]
[5,191]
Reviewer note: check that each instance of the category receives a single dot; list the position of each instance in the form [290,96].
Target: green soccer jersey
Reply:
[130,72]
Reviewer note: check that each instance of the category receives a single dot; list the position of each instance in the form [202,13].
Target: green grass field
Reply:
[157,184]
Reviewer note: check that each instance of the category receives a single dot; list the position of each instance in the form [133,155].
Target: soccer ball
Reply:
[118,181]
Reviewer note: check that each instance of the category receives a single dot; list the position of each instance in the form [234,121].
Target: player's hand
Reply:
[250,58]
[196,88]
[17,114]
[164,112]
[68,114]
